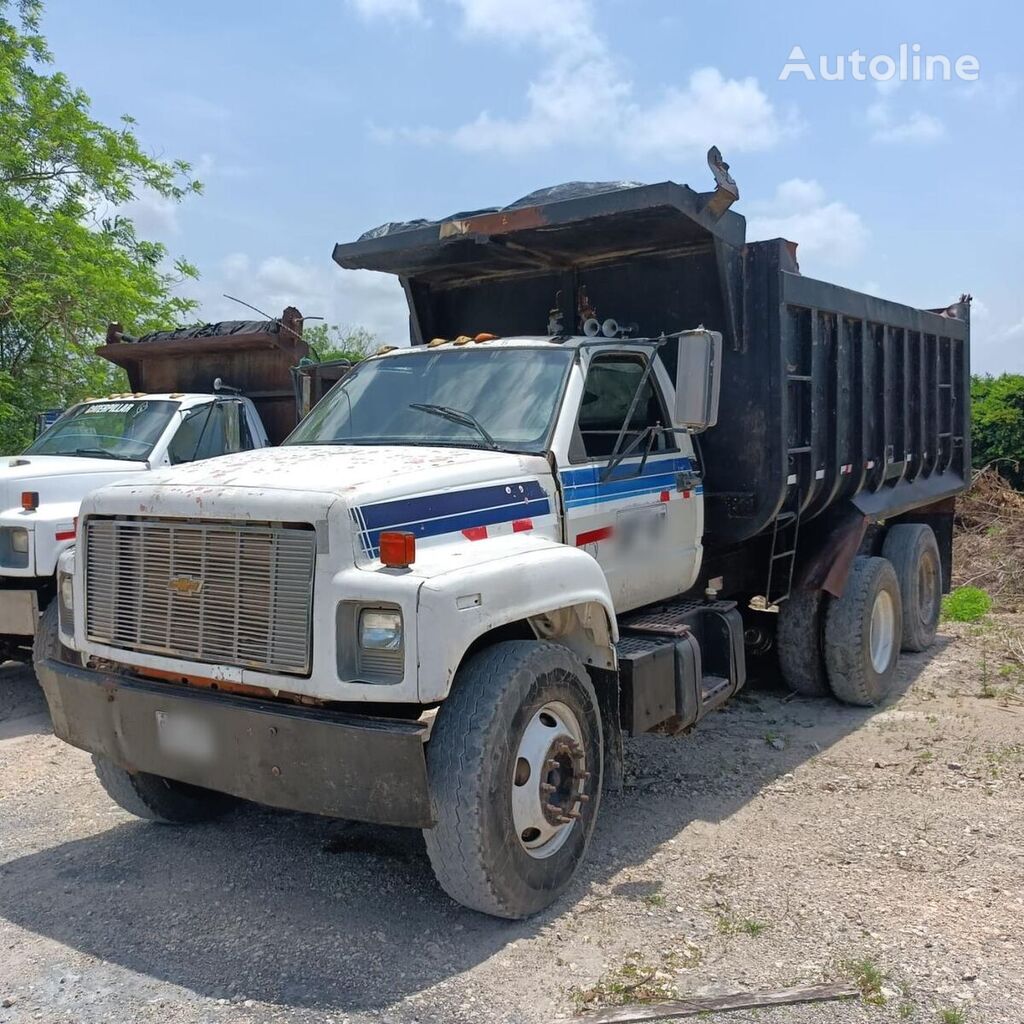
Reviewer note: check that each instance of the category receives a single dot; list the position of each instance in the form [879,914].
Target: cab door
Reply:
[638,516]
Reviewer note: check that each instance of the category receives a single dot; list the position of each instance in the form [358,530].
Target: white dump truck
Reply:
[190,401]
[481,561]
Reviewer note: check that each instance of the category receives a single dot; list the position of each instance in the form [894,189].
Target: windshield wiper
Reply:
[465,419]
[99,452]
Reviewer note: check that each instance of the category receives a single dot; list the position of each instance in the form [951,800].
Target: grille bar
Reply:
[216,592]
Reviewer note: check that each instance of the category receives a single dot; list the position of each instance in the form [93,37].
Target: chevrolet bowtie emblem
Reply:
[185,584]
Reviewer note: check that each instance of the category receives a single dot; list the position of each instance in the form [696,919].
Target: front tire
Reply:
[514,763]
[863,631]
[158,799]
[914,553]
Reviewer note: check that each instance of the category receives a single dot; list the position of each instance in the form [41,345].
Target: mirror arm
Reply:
[616,457]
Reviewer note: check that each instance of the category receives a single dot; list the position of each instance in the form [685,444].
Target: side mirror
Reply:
[698,379]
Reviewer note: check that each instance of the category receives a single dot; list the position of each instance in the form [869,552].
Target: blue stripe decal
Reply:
[432,515]
[388,514]
[584,486]
[625,471]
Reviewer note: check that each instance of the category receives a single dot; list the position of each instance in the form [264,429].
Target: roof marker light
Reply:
[30,500]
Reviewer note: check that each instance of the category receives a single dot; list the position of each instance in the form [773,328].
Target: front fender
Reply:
[509,580]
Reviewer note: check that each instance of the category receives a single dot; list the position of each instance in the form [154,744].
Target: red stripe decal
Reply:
[521,525]
[475,533]
[591,536]
[68,535]
[665,496]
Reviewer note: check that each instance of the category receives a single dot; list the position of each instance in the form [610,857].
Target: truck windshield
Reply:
[473,397]
[107,430]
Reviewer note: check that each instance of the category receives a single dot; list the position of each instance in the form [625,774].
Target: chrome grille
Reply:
[215,592]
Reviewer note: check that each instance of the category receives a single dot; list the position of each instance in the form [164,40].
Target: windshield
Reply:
[107,430]
[502,398]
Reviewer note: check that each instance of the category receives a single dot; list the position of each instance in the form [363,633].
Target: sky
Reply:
[312,121]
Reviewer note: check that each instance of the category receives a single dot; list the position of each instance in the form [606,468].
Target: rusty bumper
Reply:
[322,762]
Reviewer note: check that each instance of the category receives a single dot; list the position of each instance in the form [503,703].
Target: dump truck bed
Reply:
[832,401]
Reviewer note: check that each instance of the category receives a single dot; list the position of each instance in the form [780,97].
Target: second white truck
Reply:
[186,405]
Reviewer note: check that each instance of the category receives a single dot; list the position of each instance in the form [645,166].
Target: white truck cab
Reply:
[92,444]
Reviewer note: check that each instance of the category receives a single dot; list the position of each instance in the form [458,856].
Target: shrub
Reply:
[966,604]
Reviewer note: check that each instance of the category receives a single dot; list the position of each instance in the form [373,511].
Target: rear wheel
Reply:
[799,643]
[158,799]
[914,553]
[515,764]
[863,629]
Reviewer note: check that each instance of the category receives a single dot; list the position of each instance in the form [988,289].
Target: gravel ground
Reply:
[785,840]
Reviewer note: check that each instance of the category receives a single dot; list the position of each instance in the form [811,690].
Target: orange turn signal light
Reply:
[397,549]
[30,500]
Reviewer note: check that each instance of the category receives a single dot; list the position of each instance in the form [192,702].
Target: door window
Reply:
[611,383]
[210,430]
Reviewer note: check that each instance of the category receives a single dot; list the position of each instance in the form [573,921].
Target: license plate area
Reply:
[185,736]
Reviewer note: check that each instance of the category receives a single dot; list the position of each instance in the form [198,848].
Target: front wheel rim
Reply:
[549,776]
[882,633]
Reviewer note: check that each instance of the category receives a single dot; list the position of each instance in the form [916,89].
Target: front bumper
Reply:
[302,759]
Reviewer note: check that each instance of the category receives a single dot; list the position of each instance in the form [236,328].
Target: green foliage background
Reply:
[997,433]
[69,260]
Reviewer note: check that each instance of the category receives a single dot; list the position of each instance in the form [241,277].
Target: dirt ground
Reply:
[785,841]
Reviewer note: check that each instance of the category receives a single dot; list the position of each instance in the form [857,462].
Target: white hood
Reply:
[355,473]
[57,478]
[301,482]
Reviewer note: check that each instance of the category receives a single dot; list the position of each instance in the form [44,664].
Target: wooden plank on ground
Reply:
[697,1005]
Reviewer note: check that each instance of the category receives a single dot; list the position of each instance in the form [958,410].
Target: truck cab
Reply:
[92,444]
[198,393]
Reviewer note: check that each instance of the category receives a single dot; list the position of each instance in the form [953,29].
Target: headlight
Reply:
[67,592]
[380,630]
[14,547]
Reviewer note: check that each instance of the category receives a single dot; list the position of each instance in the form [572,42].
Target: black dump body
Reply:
[833,400]
[255,356]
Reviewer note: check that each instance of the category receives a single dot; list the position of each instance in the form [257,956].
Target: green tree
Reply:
[997,434]
[69,260]
[328,341]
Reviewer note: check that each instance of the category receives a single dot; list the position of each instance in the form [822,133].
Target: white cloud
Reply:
[344,297]
[733,113]
[915,127]
[390,9]
[583,82]
[1015,330]
[549,24]
[827,231]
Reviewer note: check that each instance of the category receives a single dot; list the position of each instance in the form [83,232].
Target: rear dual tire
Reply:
[850,645]
[863,630]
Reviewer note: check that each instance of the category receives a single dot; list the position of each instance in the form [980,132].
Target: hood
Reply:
[25,468]
[301,483]
[57,478]
[354,473]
